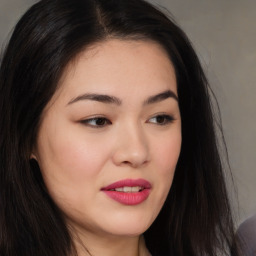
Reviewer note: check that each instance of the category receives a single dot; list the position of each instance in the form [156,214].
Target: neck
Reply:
[110,246]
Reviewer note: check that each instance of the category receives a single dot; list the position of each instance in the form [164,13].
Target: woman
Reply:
[107,136]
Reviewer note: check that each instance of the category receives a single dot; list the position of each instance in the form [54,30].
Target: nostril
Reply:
[134,163]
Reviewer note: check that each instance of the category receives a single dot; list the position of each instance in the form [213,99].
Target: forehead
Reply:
[117,66]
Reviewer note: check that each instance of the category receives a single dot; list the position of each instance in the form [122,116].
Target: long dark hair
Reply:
[196,217]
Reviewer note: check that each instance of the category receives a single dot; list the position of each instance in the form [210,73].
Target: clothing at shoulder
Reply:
[247,236]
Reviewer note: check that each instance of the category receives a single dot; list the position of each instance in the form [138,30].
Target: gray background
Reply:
[224,35]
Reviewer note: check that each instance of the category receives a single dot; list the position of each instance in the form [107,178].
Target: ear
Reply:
[33,156]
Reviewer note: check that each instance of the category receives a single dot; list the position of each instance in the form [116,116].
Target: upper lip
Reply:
[129,183]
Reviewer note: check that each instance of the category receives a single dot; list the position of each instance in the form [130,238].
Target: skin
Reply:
[79,155]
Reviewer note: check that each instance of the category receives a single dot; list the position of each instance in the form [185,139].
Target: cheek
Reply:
[167,151]
[70,162]
[80,154]
[166,154]
[71,167]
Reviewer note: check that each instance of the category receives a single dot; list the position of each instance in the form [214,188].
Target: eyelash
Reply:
[95,119]
[161,119]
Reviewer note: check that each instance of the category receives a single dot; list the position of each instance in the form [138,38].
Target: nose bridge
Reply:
[132,145]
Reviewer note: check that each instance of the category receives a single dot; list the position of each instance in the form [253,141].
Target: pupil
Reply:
[100,121]
[160,119]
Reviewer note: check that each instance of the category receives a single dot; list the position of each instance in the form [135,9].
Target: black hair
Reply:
[196,218]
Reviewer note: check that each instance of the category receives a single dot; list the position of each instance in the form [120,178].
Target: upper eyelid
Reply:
[91,117]
[162,114]
[87,120]
[171,117]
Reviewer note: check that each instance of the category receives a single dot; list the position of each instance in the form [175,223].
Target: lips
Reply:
[129,191]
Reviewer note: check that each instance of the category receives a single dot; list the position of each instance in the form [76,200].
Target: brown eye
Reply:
[96,122]
[161,119]
[101,121]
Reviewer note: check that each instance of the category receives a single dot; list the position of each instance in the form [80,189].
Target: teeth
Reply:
[136,189]
[119,189]
[129,189]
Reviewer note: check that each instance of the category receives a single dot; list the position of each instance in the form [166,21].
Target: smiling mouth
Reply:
[128,189]
[128,192]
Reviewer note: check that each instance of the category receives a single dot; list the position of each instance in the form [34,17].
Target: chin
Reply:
[131,232]
[130,227]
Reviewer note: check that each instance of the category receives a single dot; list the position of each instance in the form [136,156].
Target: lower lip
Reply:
[127,198]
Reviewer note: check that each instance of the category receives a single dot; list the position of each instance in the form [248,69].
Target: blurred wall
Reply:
[10,12]
[224,35]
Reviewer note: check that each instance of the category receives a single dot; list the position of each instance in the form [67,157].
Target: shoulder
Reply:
[247,236]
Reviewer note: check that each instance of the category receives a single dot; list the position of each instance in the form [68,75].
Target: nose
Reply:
[132,147]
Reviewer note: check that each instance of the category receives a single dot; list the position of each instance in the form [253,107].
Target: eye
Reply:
[161,119]
[96,122]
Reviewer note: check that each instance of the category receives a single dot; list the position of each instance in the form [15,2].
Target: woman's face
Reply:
[110,138]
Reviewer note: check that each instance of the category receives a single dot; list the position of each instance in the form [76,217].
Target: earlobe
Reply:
[33,156]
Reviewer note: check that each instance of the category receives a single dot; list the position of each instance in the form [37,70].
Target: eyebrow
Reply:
[114,100]
[97,97]
[160,97]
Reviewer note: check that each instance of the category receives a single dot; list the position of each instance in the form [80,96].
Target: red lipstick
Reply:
[129,191]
